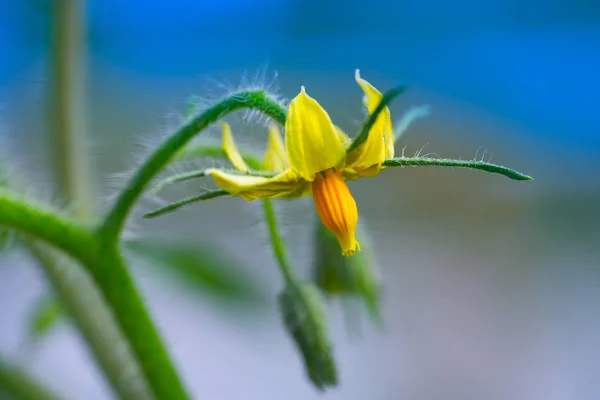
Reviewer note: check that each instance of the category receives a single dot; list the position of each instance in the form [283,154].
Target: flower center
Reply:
[337,208]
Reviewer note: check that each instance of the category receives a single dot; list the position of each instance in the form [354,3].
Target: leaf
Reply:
[204,270]
[46,313]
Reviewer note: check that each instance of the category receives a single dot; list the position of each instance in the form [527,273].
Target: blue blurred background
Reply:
[492,287]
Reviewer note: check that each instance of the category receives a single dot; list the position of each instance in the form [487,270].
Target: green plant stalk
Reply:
[277,243]
[88,309]
[78,293]
[445,162]
[100,253]
[259,100]
[211,194]
[42,223]
[68,105]
[390,163]
[176,178]
[18,385]
[108,269]
[111,274]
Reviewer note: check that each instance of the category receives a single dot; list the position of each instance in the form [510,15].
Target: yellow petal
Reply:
[231,149]
[276,158]
[311,141]
[287,184]
[346,141]
[380,143]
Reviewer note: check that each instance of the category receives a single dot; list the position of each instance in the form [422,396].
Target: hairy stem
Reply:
[94,320]
[107,267]
[113,224]
[188,200]
[277,243]
[445,162]
[42,223]
[112,276]
[392,162]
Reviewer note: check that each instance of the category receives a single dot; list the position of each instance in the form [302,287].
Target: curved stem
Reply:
[74,239]
[114,221]
[277,243]
[446,162]
[106,265]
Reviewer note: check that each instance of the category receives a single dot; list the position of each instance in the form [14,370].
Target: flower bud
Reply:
[337,275]
[301,307]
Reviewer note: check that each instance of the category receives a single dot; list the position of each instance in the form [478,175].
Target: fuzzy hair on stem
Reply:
[113,224]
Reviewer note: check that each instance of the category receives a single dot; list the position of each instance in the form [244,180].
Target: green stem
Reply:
[392,162]
[42,223]
[112,276]
[19,385]
[366,129]
[188,200]
[109,271]
[78,293]
[67,100]
[445,162]
[178,178]
[93,318]
[115,219]
[277,243]
[185,176]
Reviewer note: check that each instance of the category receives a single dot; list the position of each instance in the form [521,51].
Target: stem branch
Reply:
[114,221]
[277,243]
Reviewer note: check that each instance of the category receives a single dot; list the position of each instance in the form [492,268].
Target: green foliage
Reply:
[204,270]
[18,385]
[259,100]
[97,249]
[46,313]
[301,305]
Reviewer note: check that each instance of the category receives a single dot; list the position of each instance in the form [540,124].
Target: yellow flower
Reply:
[314,160]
